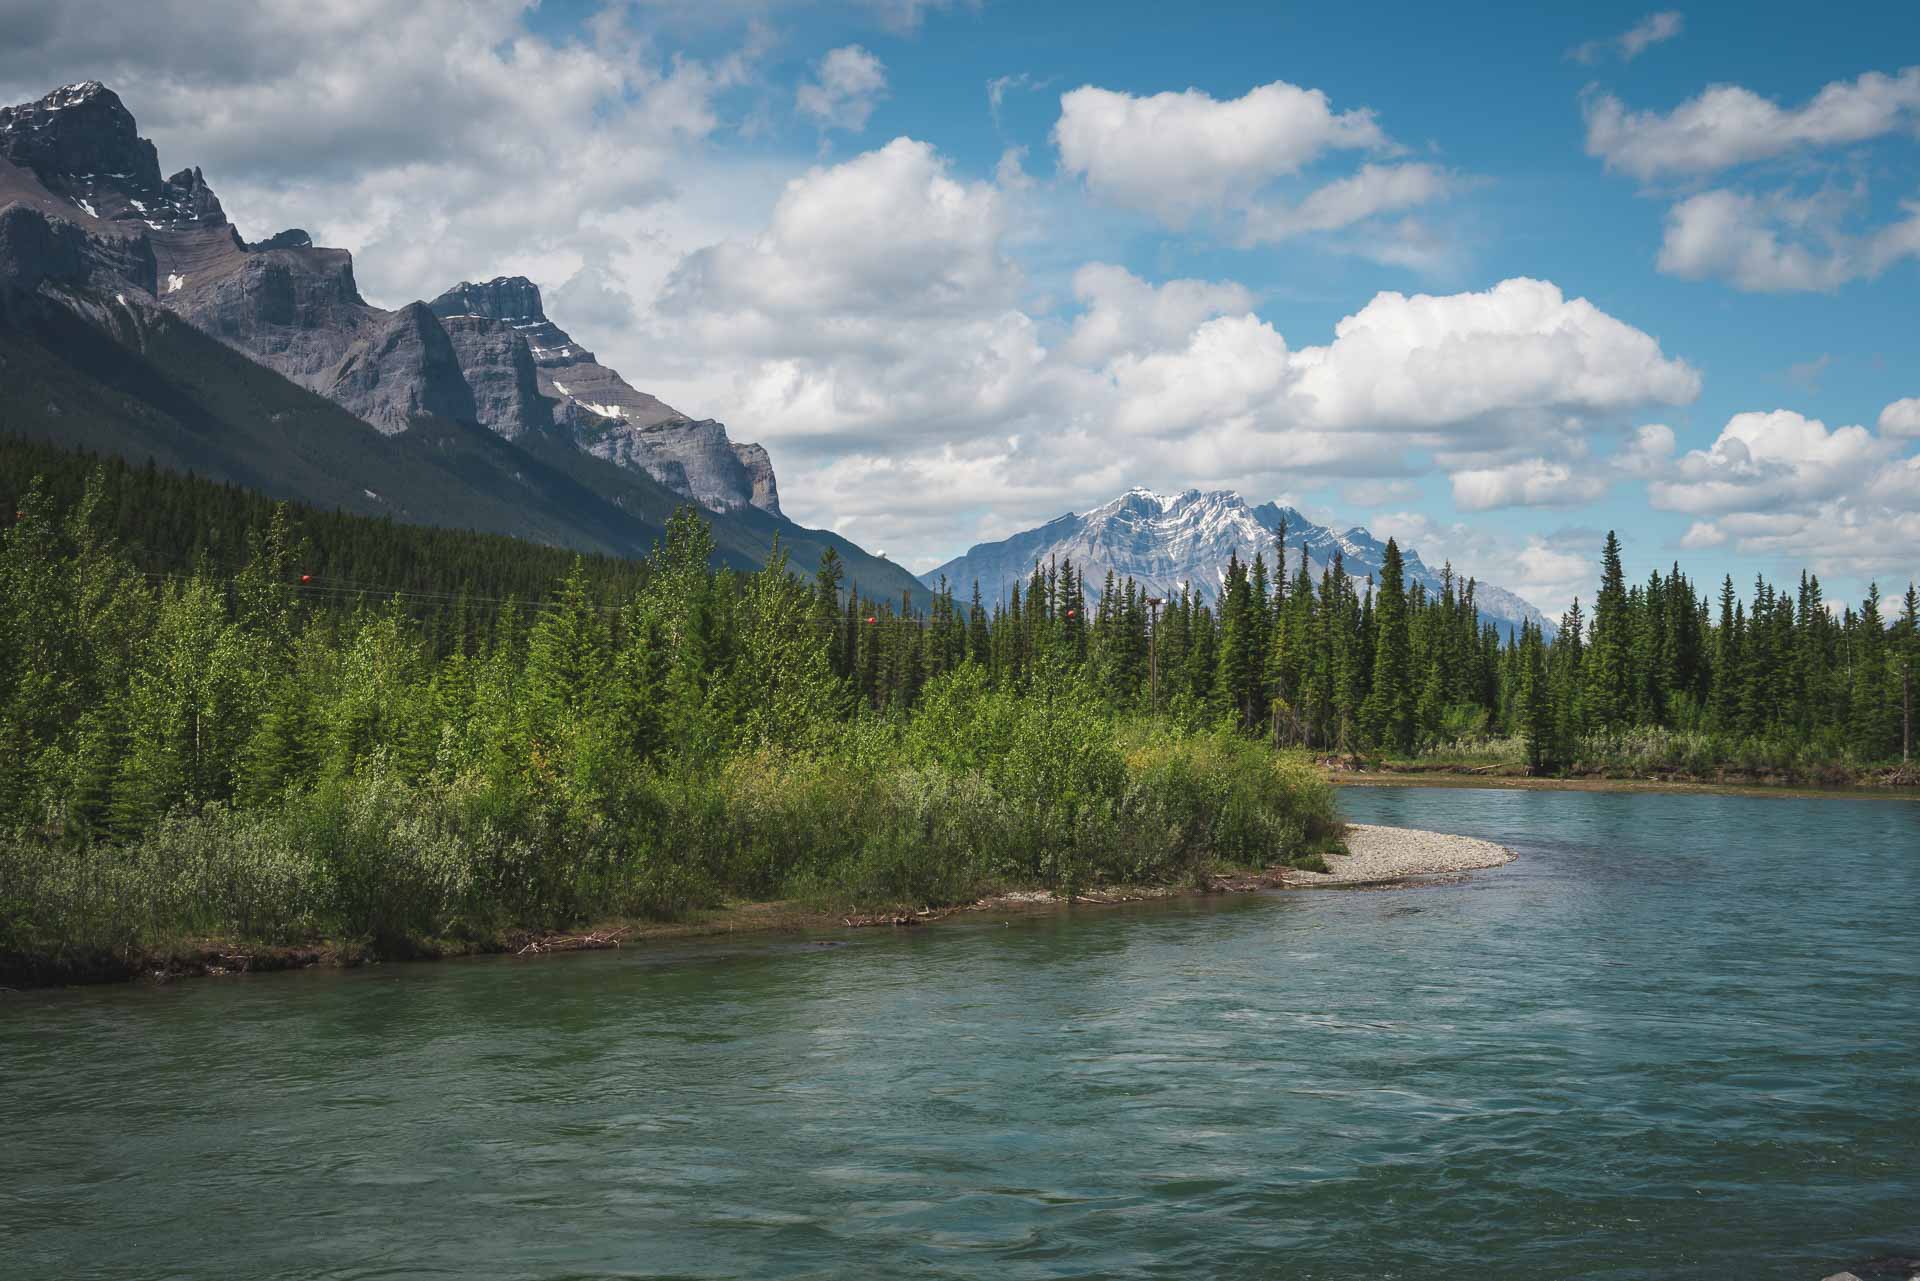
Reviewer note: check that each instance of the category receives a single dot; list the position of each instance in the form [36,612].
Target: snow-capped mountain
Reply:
[1166,541]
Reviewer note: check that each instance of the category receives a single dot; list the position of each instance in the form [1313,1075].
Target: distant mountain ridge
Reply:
[135,320]
[1165,542]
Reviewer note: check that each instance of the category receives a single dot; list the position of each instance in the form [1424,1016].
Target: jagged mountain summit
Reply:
[484,353]
[135,320]
[607,416]
[1166,542]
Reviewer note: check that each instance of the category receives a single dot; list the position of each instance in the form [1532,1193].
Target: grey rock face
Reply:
[1166,542]
[291,238]
[766,493]
[610,418]
[499,368]
[296,311]
[193,199]
[83,144]
[37,247]
[81,129]
[409,368]
[622,444]
[82,202]
[502,298]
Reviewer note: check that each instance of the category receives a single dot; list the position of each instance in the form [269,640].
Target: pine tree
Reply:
[1388,713]
[1729,666]
[1872,702]
[1608,668]
[1534,701]
[1234,682]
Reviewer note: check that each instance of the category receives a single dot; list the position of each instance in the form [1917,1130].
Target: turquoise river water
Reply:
[1679,1037]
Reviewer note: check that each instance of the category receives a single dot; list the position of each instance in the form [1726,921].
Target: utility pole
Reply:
[1153,650]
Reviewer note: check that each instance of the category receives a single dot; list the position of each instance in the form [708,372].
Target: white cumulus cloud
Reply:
[1175,154]
[848,84]
[1773,459]
[1517,357]
[878,337]
[1727,125]
[1531,482]
[1901,418]
[1184,156]
[1780,485]
[1373,189]
[1778,244]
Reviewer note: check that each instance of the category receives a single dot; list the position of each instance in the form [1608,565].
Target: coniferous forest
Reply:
[222,718]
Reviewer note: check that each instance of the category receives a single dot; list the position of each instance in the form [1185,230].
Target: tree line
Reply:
[126,691]
[241,754]
[1393,667]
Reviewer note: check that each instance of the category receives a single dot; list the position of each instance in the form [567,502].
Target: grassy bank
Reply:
[378,866]
[200,761]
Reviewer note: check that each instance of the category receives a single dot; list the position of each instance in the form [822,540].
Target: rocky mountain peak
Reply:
[193,200]
[79,131]
[482,352]
[506,298]
[515,301]
[83,143]
[1167,542]
[604,414]
[291,238]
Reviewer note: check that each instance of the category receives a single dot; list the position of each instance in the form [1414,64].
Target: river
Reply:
[1678,1037]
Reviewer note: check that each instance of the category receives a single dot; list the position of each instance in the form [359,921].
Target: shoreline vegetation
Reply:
[205,742]
[227,765]
[1368,857]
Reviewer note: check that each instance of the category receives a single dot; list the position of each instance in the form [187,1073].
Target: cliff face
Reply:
[408,370]
[499,368]
[766,494]
[40,242]
[607,416]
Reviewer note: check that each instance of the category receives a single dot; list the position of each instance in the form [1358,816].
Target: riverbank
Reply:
[1626,771]
[1391,776]
[1374,856]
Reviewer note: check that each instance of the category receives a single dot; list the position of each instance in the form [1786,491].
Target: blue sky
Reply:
[949,320]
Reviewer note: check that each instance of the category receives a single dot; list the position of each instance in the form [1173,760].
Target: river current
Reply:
[1678,1037]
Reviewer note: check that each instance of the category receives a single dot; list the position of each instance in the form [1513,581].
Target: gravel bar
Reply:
[1389,853]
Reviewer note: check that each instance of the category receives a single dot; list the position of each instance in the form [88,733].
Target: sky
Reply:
[1489,279]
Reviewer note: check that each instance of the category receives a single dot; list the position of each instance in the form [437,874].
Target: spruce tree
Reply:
[1608,668]
[1388,713]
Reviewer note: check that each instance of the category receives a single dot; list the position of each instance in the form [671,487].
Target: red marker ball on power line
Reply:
[872,619]
[306,578]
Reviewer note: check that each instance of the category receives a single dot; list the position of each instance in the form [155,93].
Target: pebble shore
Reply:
[1389,853]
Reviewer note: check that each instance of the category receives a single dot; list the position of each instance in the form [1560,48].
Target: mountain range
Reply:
[1166,542]
[135,319]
